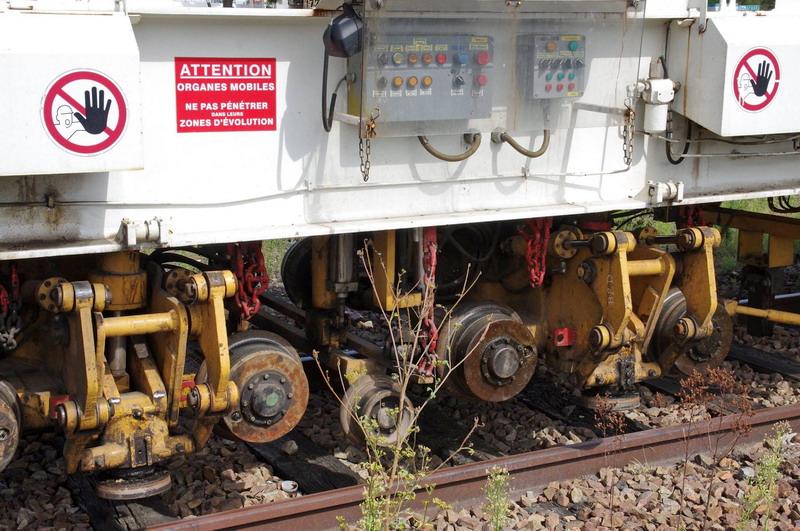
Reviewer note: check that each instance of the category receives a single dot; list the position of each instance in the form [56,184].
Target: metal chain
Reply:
[364,152]
[537,236]
[365,144]
[10,322]
[247,262]
[627,135]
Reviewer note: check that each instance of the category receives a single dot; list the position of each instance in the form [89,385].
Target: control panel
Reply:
[429,77]
[555,64]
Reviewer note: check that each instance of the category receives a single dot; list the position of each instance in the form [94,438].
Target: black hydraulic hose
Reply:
[327,115]
[672,160]
[476,142]
[505,137]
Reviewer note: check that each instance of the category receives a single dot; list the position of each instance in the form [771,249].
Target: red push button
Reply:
[482,58]
[441,58]
[548,87]
[560,87]
[571,86]
[481,80]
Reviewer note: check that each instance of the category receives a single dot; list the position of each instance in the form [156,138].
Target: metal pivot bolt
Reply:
[193,400]
[587,271]
[599,337]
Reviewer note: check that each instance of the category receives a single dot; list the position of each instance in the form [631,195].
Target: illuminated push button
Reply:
[548,87]
[573,45]
[560,76]
[560,87]
[397,58]
[427,58]
[413,58]
[481,80]
[482,58]
[572,75]
[550,46]
[381,83]
[383,58]
[427,81]
[571,86]
[549,76]
[461,58]
[441,58]
[412,82]
[397,81]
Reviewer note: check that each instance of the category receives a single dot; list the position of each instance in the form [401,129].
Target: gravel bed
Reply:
[222,476]
[34,488]
[649,498]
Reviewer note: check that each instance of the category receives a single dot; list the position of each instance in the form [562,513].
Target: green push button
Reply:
[549,76]
[560,76]
[572,75]
[573,45]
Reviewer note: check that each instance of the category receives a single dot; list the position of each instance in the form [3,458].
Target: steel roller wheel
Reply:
[490,350]
[707,353]
[9,424]
[132,483]
[273,388]
[374,400]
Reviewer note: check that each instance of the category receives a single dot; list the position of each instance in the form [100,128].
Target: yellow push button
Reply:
[427,81]
[412,82]
[397,81]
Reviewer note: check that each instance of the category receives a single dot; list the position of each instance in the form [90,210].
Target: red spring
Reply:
[429,261]
[247,262]
[537,235]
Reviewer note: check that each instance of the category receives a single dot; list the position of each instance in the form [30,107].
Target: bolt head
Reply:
[4,433]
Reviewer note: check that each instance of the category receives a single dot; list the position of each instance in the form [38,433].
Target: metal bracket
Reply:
[669,191]
[703,17]
[132,233]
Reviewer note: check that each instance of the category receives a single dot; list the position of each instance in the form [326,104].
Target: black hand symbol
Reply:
[96,116]
[761,82]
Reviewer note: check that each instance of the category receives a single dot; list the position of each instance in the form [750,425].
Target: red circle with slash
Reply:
[745,75]
[62,101]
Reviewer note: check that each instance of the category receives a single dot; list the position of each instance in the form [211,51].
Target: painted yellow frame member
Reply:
[734,308]
[385,273]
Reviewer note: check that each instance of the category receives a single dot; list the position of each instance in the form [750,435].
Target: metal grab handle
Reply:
[470,138]
[500,137]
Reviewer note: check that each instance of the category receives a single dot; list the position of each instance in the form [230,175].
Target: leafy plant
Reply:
[764,485]
[497,498]
[396,469]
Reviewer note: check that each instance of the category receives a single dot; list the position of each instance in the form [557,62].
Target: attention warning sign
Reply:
[225,94]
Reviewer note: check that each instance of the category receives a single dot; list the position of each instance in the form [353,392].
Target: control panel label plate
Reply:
[222,94]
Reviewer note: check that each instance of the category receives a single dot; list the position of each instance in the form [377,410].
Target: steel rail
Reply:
[461,486]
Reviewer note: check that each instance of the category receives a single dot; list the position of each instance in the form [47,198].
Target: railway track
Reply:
[461,486]
[332,489]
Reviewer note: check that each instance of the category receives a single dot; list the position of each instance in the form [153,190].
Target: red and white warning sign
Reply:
[84,112]
[225,94]
[756,79]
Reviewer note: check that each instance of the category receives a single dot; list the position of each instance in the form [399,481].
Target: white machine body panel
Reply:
[271,171]
[740,76]
[52,66]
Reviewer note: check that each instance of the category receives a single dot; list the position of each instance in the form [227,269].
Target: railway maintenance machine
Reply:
[149,147]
